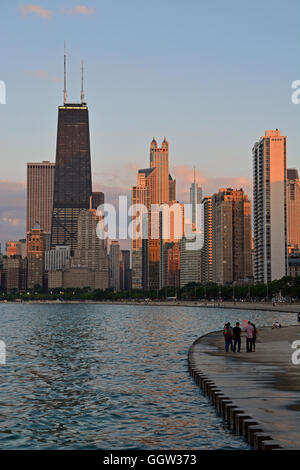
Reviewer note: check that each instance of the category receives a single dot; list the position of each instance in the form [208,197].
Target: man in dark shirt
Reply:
[237,337]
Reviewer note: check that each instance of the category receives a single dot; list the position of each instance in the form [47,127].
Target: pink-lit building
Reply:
[270,207]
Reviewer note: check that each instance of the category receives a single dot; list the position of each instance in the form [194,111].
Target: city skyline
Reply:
[206,106]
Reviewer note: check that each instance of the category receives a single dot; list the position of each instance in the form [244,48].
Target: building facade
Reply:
[36,257]
[207,249]
[293,209]
[14,273]
[88,267]
[114,266]
[270,207]
[40,184]
[73,180]
[231,237]
[190,259]
[195,201]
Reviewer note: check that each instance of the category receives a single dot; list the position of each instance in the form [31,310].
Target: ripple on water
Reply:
[109,377]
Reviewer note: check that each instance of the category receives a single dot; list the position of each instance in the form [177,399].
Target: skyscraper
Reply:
[206,252]
[40,184]
[114,265]
[35,255]
[231,236]
[125,255]
[142,195]
[195,201]
[159,159]
[155,185]
[172,189]
[73,180]
[270,207]
[190,260]
[293,209]
[171,229]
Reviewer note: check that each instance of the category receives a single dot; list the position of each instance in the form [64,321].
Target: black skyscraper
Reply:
[73,181]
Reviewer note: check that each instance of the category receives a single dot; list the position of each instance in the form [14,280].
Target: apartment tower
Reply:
[293,209]
[231,236]
[270,207]
[40,185]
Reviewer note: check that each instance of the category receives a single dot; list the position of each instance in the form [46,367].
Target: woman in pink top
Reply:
[249,336]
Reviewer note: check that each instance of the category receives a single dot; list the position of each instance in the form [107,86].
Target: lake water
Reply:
[87,376]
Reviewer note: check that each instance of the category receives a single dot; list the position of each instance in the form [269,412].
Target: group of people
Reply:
[232,336]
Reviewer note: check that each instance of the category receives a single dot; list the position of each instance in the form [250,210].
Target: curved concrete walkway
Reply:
[258,394]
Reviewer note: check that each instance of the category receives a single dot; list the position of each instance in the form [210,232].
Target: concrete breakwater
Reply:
[257,394]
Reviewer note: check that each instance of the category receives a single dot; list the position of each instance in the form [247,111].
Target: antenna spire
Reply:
[65,75]
[82,88]
[194,174]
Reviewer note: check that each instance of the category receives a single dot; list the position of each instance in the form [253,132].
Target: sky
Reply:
[211,76]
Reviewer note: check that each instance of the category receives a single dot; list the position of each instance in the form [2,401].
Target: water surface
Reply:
[88,376]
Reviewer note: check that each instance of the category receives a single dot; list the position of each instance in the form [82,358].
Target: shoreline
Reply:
[257,394]
[264,306]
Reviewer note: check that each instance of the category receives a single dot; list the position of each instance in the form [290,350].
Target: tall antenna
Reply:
[65,75]
[82,88]
[194,174]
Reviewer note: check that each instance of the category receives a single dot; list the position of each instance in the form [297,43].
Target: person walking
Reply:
[255,332]
[227,336]
[249,336]
[298,318]
[237,337]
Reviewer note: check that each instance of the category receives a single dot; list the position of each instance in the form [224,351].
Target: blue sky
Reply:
[211,76]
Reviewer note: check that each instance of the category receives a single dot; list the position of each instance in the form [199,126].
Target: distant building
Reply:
[14,273]
[270,207]
[56,259]
[142,195]
[73,180]
[114,266]
[35,255]
[195,201]
[172,189]
[40,183]
[14,248]
[190,259]
[293,208]
[155,186]
[126,272]
[294,263]
[231,237]
[89,265]
[171,230]
[207,249]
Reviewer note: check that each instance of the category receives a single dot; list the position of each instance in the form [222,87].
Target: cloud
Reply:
[80,10]
[42,74]
[184,176]
[36,10]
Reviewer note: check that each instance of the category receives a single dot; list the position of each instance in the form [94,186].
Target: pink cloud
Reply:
[36,10]
[80,10]
[42,74]
[184,176]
